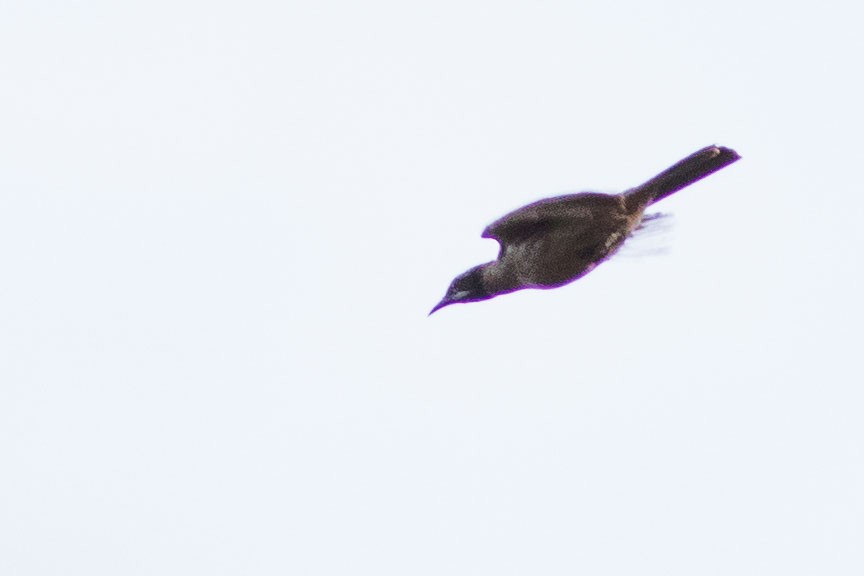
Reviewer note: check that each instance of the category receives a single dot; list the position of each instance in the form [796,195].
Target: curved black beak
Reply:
[440,305]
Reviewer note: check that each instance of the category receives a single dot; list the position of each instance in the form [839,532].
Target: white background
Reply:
[222,225]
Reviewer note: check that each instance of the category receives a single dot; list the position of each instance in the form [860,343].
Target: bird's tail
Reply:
[689,170]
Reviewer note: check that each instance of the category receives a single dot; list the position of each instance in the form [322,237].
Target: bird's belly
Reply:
[549,263]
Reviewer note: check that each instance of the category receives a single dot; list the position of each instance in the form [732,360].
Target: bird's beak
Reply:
[441,304]
[451,298]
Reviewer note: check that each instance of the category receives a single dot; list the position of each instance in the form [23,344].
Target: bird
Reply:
[554,241]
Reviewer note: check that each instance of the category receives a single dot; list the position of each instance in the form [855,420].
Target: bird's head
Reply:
[467,287]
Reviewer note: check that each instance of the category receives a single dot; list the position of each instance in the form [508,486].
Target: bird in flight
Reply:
[555,241]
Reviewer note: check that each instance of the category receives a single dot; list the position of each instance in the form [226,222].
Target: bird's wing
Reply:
[541,216]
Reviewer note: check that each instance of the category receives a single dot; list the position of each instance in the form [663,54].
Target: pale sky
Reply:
[222,225]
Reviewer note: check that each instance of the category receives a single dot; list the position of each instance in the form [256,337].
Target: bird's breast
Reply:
[562,256]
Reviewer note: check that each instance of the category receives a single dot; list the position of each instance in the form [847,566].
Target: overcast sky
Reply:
[222,225]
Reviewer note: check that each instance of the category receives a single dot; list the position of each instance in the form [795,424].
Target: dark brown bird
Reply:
[555,241]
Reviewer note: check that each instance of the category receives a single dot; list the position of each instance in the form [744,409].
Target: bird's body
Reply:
[555,241]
